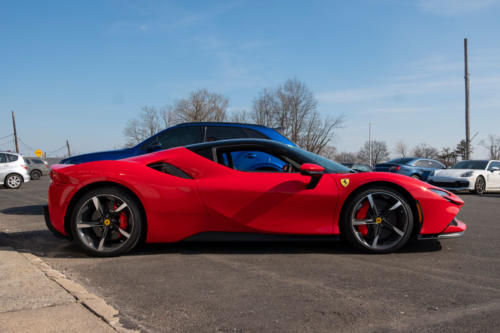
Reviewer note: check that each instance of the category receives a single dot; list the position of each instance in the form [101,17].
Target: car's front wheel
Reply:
[106,222]
[480,185]
[378,220]
[13,181]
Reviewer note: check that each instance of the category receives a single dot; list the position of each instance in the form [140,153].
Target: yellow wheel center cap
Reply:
[378,220]
[107,222]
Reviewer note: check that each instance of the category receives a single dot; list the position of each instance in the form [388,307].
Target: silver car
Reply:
[37,167]
[13,170]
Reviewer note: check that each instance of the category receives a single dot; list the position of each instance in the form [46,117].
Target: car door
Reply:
[3,167]
[275,202]
[493,176]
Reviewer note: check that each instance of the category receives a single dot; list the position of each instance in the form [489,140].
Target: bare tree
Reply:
[460,149]
[425,151]
[492,143]
[240,117]
[147,124]
[346,157]
[401,149]
[293,108]
[329,152]
[379,152]
[201,105]
[447,156]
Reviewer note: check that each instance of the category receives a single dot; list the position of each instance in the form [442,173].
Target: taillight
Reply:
[60,178]
[395,168]
[24,166]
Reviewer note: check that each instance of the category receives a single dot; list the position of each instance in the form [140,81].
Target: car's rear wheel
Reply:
[106,222]
[13,181]
[35,174]
[377,220]
[416,176]
[480,185]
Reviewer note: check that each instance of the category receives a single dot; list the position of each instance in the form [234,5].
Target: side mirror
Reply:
[154,147]
[314,171]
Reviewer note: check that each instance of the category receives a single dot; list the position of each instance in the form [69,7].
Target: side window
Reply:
[28,161]
[3,159]
[180,136]
[216,133]
[11,158]
[420,164]
[251,160]
[494,164]
[38,161]
[435,165]
[254,134]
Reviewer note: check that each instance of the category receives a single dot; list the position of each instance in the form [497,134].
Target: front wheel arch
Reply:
[413,203]
[93,186]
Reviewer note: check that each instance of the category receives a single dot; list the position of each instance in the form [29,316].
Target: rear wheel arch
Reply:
[93,186]
[413,203]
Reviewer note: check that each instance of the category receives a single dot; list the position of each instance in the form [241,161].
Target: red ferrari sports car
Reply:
[108,207]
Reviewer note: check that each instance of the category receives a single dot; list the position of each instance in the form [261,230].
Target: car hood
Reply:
[99,156]
[452,172]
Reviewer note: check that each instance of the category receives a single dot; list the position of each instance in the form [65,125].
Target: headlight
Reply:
[439,192]
[467,174]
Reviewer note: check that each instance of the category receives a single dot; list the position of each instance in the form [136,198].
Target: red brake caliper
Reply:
[123,220]
[361,215]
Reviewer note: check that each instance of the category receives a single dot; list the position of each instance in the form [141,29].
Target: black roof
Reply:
[218,123]
[236,142]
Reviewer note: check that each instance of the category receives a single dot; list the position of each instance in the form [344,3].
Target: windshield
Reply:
[478,165]
[308,157]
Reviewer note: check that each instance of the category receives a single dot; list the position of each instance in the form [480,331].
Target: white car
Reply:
[13,170]
[477,176]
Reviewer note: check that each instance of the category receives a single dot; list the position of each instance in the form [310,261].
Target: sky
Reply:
[79,70]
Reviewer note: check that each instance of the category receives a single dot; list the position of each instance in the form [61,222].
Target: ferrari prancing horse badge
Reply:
[344,182]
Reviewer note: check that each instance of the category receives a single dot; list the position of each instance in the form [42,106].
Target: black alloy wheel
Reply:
[378,220]
[106,222]
[480,185]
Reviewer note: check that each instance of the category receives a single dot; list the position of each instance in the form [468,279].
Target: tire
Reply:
[113,222]
[35,175]
[416,177]
[480,185]
[377,220]
[13,181]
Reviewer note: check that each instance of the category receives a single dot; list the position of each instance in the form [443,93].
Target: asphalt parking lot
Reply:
[449,286]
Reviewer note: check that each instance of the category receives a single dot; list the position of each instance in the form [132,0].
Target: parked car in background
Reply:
[477,176]
[37,167]
[359,167]
[419,168]
[13,170]
[196,132]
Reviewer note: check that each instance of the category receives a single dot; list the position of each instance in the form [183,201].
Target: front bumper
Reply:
[452,184]
[455,229]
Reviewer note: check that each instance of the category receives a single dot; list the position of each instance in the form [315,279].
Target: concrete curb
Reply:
[90,301]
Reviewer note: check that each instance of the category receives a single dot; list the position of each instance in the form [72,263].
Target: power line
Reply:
[25,144]
[3,137]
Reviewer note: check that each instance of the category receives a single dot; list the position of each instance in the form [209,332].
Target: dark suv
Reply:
[185,134]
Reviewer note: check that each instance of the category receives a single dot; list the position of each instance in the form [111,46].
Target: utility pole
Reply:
[370,141]
[467,115]
[15,132]
[67,146]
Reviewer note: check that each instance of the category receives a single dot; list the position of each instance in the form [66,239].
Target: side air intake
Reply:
[169,169]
